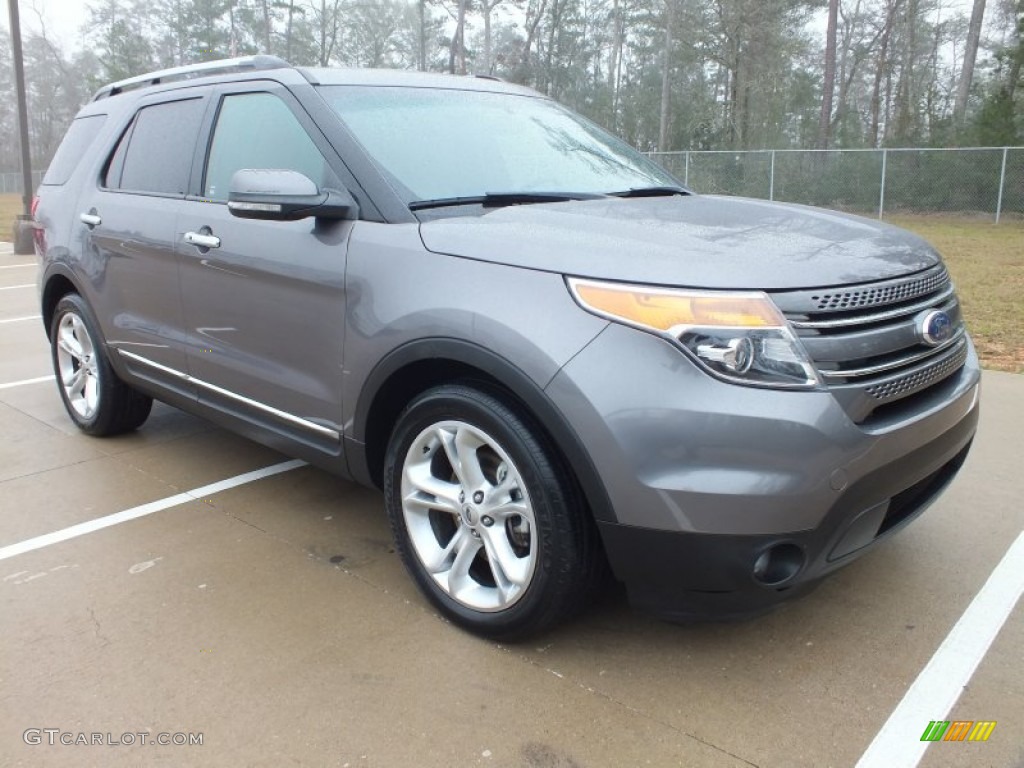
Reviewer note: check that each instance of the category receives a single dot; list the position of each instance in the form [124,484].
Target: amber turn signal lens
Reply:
[671,310]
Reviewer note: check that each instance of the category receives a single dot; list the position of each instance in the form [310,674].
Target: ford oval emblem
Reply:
[935,327]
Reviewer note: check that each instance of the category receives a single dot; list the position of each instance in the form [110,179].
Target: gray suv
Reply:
[549,355]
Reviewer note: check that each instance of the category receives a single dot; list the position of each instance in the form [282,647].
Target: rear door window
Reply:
[155,155]
[73,148]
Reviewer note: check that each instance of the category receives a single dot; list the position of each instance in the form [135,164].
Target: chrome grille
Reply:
[921,378]
[889,294]
[864,339]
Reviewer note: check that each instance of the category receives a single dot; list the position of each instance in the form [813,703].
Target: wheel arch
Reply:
[417,366]
[57,284]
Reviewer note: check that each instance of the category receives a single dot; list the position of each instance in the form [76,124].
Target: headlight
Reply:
[740,337]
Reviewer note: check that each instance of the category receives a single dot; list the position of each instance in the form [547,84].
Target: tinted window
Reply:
[77,140]
[159,155]
[112,176]
[257,130]
[450,143]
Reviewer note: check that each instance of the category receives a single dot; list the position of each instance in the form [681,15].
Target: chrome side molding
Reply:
[291,418]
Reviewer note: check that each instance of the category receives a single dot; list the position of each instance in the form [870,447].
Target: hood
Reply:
[698,241]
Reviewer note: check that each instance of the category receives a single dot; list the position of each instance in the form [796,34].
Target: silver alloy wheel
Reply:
[469,516]
[76,364]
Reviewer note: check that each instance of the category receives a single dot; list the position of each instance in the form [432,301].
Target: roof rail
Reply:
[221,66]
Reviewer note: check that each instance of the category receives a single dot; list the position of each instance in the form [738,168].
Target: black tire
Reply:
[561,542]
[108,406]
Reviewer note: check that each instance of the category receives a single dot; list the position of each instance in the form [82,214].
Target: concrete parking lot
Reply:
[270,618]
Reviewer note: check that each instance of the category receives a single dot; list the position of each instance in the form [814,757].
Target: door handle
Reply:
[202,241]
[90,219]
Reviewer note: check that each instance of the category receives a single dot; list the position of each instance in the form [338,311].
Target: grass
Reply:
[10,207]
[987,263]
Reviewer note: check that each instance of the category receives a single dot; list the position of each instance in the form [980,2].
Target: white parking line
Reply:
[17,266]
[23,382]
[22,319]
[937,688]
[12,287]
[196,494]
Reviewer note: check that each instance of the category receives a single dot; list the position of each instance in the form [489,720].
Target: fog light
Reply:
[778,564]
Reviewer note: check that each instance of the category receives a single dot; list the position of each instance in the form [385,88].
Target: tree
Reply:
[860,38]
[1000,121]
[372,33]
[535,11]
[421,57]
[615,59]
[906,117]
[326,24]
[457,49]
[829,84]
[208,33]
[753,41]
[970,54]
[120,50]
[883,71]
[666,72]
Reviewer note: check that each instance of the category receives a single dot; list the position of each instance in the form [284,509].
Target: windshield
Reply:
[439,144]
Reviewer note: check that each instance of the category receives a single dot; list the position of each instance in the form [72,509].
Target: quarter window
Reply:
[79,138]
[259,131]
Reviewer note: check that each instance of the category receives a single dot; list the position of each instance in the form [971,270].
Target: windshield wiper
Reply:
[650,192]
[498,199]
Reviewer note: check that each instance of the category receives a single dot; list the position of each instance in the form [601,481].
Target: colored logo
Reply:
[935,327]
[959,730]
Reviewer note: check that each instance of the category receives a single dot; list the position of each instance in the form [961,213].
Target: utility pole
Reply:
[22,225]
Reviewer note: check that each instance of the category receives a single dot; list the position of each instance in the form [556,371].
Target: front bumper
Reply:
[728,499]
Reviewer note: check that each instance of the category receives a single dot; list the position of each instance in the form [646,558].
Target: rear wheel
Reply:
[96,400]
[485,517]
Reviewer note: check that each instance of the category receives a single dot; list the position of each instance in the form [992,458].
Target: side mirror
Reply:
[278,195]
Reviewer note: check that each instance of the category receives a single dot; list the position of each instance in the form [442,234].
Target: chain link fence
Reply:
[986,181]
[10,183]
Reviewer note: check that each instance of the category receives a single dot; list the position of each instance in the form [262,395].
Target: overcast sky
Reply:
[64,18]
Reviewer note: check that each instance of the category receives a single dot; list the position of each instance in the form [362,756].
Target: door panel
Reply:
[134,271]
[265,307]
[266,311]
[128,228]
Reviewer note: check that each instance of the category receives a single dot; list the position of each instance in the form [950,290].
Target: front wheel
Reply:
[487,520]
[97,401]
